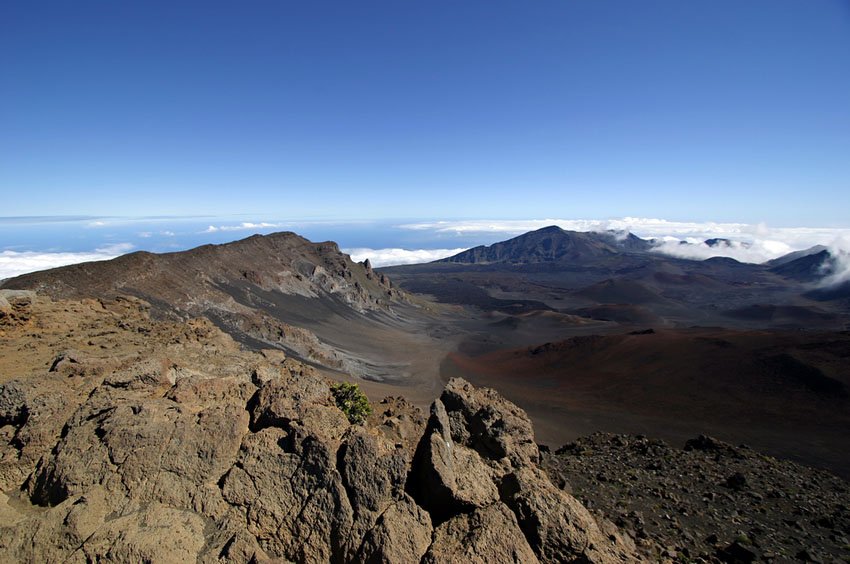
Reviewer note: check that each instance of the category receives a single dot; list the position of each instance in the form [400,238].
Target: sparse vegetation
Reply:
[352,402]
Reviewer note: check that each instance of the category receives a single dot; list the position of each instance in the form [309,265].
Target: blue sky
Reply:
[722,111]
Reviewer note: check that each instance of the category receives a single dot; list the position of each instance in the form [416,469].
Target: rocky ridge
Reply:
[134,439]
[252,288]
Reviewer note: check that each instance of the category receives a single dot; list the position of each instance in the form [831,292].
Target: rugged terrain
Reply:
[598,332]
[620,278]
[274,291]
[709,500]
[134,439]
[586,331]
[195,389]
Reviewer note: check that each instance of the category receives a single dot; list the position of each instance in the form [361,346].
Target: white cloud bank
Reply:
[840,250]
[244,226]
[15,263]
[392,257]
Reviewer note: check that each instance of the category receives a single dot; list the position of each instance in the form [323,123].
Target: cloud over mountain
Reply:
[13,263]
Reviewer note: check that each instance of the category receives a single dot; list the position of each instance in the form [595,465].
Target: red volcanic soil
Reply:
[621,313]
[785,393]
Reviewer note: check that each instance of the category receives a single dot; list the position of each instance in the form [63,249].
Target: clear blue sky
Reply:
[717,110]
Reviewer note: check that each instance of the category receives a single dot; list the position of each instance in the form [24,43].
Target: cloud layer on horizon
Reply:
[244,226]
[392,257]
[15,263]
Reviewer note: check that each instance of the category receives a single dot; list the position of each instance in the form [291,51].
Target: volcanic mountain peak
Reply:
[807,267]
[794,255]
[282,262]
[552,244]
[722,242]
[266,290]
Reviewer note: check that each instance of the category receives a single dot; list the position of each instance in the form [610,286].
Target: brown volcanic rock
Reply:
[132,439]
[449,478]
[402,533]
[291,494]
[14,307]
[489,424]
[388,525]
[298,401]
[488,534]
[401,422]
[557,525]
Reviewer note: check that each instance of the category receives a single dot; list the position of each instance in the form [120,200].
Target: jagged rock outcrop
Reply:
[179,446]
[477,459]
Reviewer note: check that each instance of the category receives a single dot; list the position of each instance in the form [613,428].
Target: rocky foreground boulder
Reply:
[128,439]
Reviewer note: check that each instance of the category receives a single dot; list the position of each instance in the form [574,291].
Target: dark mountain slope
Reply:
[836,293]
[807,268]
[795,255]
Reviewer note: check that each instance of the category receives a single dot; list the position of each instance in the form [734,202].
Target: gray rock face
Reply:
[13,404]
[299,400]
[489,424]
[488,534]
[478,453]
[558,527]
[292,495]
[186,454]
[448,477]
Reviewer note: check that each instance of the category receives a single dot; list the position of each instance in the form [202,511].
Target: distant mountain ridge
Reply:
[552,244]
[619,277]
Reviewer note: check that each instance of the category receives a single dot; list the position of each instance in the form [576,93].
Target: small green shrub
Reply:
[352,402]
